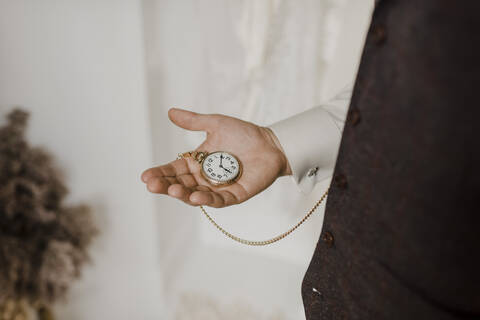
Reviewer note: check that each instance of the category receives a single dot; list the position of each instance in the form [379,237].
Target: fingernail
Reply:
[144,177]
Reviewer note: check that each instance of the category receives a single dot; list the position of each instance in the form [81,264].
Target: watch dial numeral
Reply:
[210,170]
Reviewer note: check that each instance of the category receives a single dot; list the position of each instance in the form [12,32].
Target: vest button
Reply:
[354,117]
[379,35]
[327,237]
[340,181]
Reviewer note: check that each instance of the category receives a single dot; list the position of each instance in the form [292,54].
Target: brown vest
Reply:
[401,237]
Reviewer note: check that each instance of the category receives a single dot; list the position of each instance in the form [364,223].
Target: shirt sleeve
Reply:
[311,139]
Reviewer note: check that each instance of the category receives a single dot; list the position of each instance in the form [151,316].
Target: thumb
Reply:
[190,120]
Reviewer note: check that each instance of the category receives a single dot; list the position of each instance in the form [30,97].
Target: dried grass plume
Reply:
[43,242]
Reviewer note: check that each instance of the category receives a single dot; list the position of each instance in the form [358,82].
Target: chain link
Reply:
[253,242]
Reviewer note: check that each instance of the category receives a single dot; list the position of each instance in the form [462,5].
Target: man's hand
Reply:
[256,147]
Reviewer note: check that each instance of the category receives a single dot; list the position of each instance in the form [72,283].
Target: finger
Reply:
[172,169]
[158,185]
[201,197]
[166,170]
[202,188]
[194,189]
[191,120]
[187,180]
[146,175]
[172,180]
[217,199]
[228,198]
[181,192]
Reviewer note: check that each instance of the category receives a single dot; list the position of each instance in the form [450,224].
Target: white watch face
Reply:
[221,167]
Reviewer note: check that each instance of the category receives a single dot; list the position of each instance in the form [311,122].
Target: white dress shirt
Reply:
[311,139]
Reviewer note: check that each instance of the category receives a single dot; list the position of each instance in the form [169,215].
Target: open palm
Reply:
[256,147]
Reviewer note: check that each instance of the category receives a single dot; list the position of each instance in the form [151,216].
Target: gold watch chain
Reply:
[198,156]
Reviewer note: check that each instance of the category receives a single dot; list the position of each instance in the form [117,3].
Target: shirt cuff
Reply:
[311,140]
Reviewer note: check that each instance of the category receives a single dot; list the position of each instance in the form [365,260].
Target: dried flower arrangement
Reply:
[43,242]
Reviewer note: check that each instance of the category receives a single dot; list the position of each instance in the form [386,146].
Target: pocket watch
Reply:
[218,168]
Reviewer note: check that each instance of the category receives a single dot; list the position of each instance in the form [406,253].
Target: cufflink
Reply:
[312,172]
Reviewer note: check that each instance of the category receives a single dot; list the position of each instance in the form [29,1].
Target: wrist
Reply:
[286,169]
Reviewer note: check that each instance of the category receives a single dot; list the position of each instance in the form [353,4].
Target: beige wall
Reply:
[78,67]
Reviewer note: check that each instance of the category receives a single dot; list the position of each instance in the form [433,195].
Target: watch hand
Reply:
[221,157]
[226,169]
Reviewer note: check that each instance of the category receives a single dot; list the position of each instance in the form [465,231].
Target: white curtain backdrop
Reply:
[261,61]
